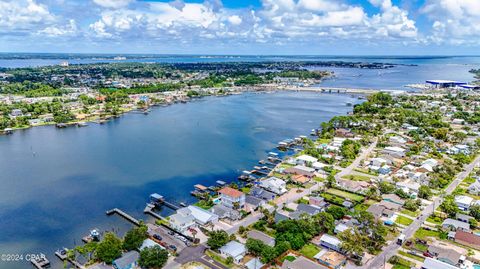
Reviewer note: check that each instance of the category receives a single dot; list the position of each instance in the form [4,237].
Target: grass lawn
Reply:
[403,263]
[309,250]
[435,219]
[324,141]
[415,257]
[289,258]
[218,258]
[409,213]
[403,220]
[333,198]
[361,207]
[356,177]
[423,234]
[421,247]
[365,171]
[344,194]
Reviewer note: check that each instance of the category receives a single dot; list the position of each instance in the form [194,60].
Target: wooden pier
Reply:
[40,262]
[124,215]
[149,210]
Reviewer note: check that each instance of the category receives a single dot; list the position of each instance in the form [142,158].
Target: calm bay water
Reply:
[56,184]
[410,69]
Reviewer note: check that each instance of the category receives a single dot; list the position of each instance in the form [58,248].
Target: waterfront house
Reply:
[305,160]
[274,185]
[331,259]
[463,202]
[234,249]
[202,216]
[182,220]
[128,260]
[266,239]
[455,225]
[232,198]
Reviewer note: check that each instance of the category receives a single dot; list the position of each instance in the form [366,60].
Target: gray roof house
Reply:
[265,238]
[455,225]
[127,261]
[234,249]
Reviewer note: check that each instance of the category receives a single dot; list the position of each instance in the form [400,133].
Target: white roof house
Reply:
[319,165]
[431,263]
[431,162]
[456,224]
[304,159]
[427,167]
[274,185]
[474,188]
[463,202]
[202,216]
[148,243]
[378,161]
[395,149]
[234,249]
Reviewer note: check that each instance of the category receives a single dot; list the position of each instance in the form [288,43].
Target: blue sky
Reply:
[326,27]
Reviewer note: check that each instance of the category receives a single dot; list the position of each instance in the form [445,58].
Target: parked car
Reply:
[172,247]
[157,236]
[427,254]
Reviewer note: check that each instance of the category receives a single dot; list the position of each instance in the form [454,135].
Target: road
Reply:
[252,218]
[390,250]
[348,170]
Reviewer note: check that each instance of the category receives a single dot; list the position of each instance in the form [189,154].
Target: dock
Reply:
[40,262]
[124,215]
[158,200]
[62,254]
[149,210]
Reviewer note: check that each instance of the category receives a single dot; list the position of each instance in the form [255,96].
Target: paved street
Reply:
[348,170]
[254,217]
[390,250]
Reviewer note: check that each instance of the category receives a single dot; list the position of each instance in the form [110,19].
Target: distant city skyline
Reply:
[247,27]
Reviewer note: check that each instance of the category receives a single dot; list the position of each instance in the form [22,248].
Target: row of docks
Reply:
[201,191]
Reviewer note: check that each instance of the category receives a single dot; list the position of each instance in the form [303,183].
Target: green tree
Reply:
[424,192]
[217,239]
[135,237]
[153,257]
[475,211]
[109,249]
[449,206]
[386,187]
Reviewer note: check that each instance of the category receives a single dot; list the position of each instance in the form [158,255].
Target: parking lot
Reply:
[166,238]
